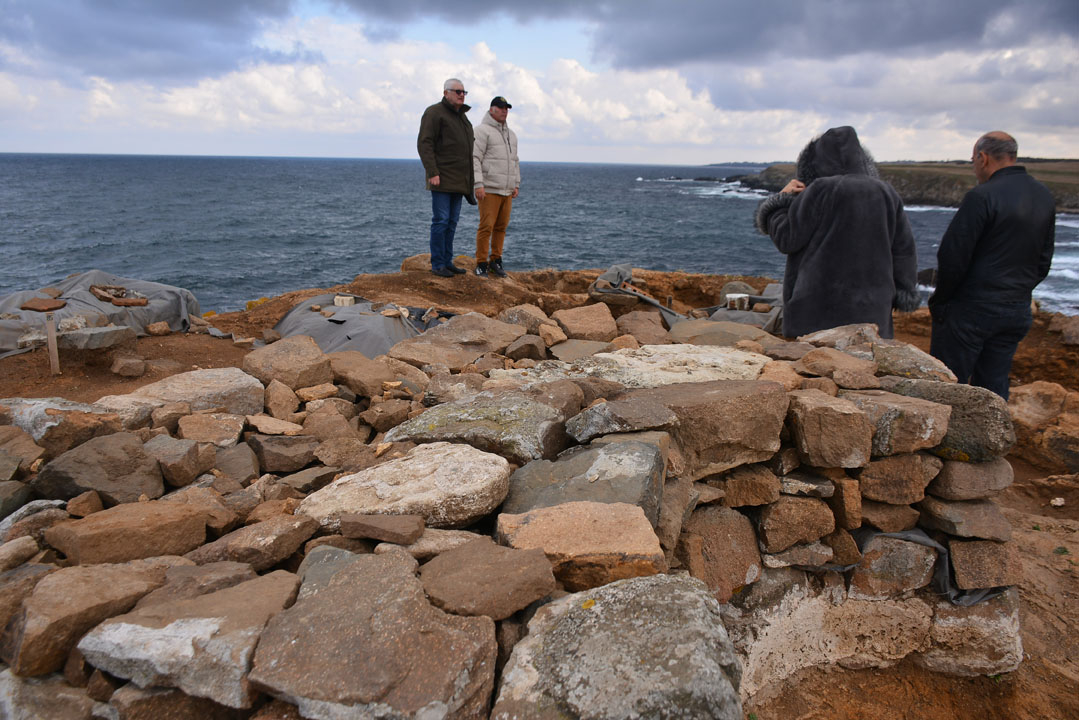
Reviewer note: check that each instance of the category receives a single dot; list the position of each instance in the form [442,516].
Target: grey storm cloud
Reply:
[646,33]
[123,39]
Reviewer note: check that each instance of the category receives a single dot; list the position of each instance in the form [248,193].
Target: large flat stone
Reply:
[970,481]
[229,388]
[369,644]
[982,639]
[65,605]
[618,416]
[261,545]
[57,425]
[722,424]
[513,426]
[451,486]
[201,645]
[966,518]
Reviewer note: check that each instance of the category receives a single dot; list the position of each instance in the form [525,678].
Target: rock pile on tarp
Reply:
[451,531]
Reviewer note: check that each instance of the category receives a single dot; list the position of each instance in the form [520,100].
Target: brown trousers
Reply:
[491,234]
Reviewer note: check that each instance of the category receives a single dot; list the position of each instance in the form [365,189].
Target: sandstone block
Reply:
[748,485]
[623,472]
[369,643]
[889,518]
[646,326]
[615,416]
[971,481]
[229,388]
[901,424]
[846,503]
[281,401]
[793,520]
[984,563]
[129,532]
[900,479]
[825,361]
[66,604]
[905,360]
[829,432]
[295,361]
[221,429]
[982,639]
[57,425]
[261,545]
[399,529]
[527,316]
[719,547]
[280,453]
[201,645]
[891,566]
[588,322]
[481,578]
[979,428]
[589,544]
[116,466]
[180,460]
[965,518]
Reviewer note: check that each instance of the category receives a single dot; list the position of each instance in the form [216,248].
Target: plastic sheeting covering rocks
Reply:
[165,302]
[360,327]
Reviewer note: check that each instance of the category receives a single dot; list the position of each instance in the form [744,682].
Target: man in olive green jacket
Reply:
[445,146]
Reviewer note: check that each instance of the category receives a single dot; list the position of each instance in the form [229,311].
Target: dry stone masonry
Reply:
[471,527]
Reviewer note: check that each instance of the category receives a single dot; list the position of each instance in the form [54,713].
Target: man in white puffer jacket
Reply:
[498,180]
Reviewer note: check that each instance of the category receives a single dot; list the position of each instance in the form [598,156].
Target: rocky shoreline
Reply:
[500,512]
[942,184]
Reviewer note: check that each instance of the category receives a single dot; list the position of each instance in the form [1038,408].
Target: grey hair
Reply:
[446,85]
[1003,146]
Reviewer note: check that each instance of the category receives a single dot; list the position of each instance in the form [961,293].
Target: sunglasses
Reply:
[460,92]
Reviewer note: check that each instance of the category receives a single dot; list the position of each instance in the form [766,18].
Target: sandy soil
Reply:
[1046,686]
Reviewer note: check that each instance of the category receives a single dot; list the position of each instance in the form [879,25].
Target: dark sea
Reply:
[235,229]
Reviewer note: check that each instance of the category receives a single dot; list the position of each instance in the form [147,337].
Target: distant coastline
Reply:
[941,183]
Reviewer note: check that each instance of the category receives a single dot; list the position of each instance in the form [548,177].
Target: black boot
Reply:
[496,268]
[481,270]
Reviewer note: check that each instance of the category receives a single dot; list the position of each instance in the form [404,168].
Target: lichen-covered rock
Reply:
[451,486]
[980,427]
[625,472]
[905,360]
[229,388]
[647,647]
[616,416]
[513,426]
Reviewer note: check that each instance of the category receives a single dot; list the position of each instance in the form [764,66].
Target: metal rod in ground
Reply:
[54,354]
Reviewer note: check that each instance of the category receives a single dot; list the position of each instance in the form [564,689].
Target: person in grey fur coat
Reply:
[850,252]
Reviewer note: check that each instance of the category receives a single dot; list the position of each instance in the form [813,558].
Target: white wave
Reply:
[640,179]
[1065,261]
[732,189]
[928,208]
[1068,221]
[1066,274]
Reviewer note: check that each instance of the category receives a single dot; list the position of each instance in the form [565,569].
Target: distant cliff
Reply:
[942,183]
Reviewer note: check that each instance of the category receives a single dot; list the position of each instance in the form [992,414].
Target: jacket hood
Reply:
[488,120]
[836,152]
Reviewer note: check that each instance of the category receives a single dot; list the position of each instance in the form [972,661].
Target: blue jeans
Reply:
[978,340]
[445,209]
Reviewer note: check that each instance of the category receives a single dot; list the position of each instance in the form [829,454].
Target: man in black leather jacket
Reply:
[996,250]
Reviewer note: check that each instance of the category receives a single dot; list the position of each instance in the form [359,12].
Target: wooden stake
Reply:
[54,354]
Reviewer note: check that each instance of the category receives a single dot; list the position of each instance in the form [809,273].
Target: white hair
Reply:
[449,83]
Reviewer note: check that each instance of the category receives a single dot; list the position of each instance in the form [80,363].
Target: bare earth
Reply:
[1046,686]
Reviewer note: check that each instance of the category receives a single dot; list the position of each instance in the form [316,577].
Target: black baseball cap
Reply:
[500,101]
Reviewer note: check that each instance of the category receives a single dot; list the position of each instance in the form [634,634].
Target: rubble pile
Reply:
[468,528]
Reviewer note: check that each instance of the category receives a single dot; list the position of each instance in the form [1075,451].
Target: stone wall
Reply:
[468,525]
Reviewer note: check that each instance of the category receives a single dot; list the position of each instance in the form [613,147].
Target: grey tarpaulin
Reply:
[165,302]
[770,322]
[360,327]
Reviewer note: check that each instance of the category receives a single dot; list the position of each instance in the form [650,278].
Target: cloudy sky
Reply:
[670,81]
